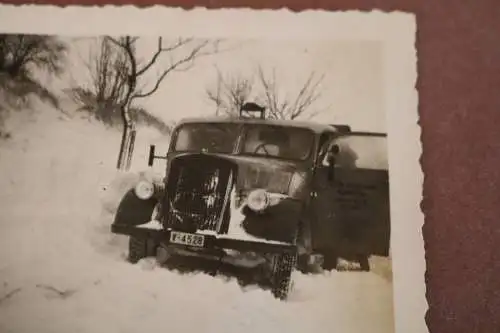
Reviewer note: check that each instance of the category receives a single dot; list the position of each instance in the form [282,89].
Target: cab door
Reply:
[351,201]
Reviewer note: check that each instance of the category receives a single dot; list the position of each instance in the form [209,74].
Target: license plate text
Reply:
[187,239]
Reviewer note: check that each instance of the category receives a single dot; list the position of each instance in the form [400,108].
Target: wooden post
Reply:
[128,141]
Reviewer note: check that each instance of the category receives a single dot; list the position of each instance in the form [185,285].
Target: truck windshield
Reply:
[278,141]
[207,137]
[291,143]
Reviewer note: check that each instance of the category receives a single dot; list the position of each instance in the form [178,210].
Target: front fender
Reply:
[280,222]
[134,211]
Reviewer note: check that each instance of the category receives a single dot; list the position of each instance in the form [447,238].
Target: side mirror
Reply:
[151,155]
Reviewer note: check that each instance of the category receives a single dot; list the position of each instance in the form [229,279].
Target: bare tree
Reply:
[231,92]
[105,92]
[20,54]
[290,107]
[110,75]
[120,77]
[22,59]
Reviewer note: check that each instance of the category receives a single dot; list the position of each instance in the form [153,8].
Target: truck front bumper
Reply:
[210,242]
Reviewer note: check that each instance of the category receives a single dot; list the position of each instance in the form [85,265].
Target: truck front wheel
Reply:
[140,248]
[282,282]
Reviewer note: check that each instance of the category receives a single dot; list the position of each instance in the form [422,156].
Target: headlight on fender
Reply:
[144,190]
[258,200]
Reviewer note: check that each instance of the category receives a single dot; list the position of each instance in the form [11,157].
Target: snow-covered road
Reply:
[62,271]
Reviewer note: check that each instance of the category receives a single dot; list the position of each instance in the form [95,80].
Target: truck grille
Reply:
[198,189]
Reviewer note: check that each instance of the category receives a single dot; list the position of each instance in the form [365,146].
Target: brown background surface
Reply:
[458,44]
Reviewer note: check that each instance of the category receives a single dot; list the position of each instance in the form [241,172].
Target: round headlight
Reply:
[144,190]
[258,200]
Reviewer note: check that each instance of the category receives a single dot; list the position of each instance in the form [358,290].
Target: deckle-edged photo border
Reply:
[395,29]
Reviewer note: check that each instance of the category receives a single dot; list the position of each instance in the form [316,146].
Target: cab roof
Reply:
[315,127]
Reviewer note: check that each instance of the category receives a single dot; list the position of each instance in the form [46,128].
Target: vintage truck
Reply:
[279,195]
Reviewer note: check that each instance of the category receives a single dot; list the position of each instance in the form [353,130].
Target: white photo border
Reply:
[396,29]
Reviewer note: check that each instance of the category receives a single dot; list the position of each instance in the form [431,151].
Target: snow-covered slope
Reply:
[62,271]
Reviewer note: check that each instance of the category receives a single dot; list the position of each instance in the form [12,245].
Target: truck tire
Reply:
[140,248]
[303,241]
[135,211]
[282,283]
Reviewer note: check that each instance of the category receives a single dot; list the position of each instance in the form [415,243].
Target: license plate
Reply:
[187,239]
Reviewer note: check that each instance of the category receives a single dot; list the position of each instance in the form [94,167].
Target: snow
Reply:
[153,224]
[61,270]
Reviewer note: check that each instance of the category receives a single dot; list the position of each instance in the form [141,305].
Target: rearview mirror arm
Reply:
[152,155]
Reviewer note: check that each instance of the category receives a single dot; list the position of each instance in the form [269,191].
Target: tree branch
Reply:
[288,108]
[161,50]
[175,65]
[127,45]
[9,295]
[230,93]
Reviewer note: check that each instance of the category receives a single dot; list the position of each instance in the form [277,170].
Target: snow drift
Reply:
[61,270]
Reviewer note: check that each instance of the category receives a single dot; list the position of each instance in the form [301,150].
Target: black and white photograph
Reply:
[209,171]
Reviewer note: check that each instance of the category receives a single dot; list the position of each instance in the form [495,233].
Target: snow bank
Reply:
[62,271]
